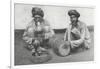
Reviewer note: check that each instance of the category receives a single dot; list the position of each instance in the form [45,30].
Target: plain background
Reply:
[57,16]
[5,35]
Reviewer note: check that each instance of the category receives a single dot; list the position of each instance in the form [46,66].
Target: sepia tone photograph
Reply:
[45,34]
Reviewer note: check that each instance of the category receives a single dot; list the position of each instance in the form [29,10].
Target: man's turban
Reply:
[73,12]
[37,11]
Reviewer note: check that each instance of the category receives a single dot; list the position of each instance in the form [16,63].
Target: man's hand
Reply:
[47,35]
[76,32]
[74,44]
[36,42]
[29,40]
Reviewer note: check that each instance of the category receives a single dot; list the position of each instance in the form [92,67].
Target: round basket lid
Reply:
[64,50]
[44,57]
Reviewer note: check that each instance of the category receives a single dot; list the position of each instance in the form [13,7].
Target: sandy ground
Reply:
[22,55]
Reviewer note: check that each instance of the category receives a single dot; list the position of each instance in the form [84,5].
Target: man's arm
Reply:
[77,43]
[49,32]
[25,35]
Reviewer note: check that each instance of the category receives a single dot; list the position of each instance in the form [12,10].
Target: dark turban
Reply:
[37,11]
[73,12]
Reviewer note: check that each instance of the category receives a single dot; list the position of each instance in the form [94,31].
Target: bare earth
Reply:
[22,55]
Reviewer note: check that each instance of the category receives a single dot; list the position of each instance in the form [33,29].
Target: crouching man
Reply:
[77,33]
[38,31]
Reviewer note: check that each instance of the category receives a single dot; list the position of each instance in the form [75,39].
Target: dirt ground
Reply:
[22,55]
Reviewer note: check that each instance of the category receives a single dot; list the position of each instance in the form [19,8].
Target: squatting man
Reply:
[77,33]
[38,32]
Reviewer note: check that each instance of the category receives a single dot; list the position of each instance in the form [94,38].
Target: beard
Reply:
[38,20]
[74,23]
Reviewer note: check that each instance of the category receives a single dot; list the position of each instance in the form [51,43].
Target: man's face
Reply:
[37,18]
[73,18]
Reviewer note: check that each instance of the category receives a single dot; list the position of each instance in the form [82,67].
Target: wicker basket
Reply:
[61,48]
